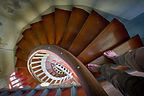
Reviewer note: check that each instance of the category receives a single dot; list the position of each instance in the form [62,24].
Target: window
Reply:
[15,81]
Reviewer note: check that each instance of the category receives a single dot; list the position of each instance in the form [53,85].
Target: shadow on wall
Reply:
[7,66]
[136,26]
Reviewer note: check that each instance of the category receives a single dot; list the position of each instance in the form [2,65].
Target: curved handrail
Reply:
[41,65]
[87,80]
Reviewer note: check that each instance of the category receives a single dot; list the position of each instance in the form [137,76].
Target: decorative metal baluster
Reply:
[18,93]
[32,92]
[59,91]
[45,92]
[36,66]
[73,91]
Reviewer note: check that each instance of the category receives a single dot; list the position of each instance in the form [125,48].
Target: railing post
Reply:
[18,93]
[4,93]
[45,92]
[59,91]
[73,91]
[32,92]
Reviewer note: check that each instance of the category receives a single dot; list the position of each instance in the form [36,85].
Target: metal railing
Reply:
[37,67]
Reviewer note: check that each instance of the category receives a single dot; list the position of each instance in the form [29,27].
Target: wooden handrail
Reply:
[87,80]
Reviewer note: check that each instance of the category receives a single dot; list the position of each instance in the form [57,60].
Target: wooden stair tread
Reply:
[21,63]
[113,35]
[38,29]
[49,26]
[25,45]
[66,92]
[92,27]
[61,21]
[29,35]
[131,44]
[76,21]
[81,92]
[21,54]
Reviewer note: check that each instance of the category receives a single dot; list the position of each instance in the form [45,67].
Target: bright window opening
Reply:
[15,81]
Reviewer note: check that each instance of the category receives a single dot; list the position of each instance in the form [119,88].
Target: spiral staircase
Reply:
[84,35]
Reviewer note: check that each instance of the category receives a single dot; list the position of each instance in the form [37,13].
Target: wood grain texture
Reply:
[22,54]
[81,92]
[21,63]
[92,27]
[38,29]
[113,35]
[29,35]
[76,21]
[49,26]
[61,21]
[25,45]
[131,44]
[66,92]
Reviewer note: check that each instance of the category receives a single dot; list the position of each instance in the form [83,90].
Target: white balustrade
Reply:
[36,66]
[37,70]
[35,62]
[40,74]
[47,79]
[37,57]
[43,77]
[57,67]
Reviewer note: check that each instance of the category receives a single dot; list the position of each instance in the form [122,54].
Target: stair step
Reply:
[92,27]
[21,54]
[29,35]
[21,63]
[81,92]
[25,45]
[32,82]
[76,21]
[113,35]
[49,26]
[40,32]
[131,44]
[61,21]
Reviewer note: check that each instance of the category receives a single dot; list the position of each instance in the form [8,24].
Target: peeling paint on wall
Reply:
[11,6]
[2,43]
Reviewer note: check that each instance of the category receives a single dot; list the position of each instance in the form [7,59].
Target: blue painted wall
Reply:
[134,26]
